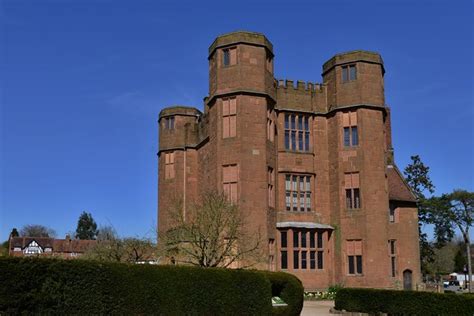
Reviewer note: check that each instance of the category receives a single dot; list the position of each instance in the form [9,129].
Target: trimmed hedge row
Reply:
[289,288]
[403,302]
[54,286]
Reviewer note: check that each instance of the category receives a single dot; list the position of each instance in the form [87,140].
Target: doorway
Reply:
[407,280]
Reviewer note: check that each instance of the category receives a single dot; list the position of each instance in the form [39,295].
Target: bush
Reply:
[403,302]
[51,286]
[289,288]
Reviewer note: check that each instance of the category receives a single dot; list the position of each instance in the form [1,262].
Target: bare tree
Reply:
[212,234]
[106,232]
[36,230]
[130,250]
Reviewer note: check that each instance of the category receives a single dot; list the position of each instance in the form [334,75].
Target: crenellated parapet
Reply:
[303,86]
[301,96]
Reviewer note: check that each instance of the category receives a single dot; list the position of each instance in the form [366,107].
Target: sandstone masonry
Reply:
[311,164]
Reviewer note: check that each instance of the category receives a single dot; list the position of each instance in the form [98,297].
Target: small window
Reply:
[349,73]
[350,131]
[352,191]
[354,257]
[169,122]
[392,213]
[229,57]
[392,252]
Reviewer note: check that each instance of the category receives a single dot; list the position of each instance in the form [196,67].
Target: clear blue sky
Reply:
[82,83]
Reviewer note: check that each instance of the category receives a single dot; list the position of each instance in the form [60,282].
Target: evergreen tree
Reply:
[86,227]
[418,179]
[14,233]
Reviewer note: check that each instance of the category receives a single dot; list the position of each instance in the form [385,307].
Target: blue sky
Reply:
[82,83]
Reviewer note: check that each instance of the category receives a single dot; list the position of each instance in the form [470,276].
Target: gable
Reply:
[398,189]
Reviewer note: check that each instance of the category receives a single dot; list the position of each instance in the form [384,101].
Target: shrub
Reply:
[289,288]
[403,302]
[51,286]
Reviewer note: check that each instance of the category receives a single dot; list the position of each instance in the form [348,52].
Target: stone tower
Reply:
[309,164]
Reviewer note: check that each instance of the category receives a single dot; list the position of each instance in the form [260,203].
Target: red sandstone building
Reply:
[310,164]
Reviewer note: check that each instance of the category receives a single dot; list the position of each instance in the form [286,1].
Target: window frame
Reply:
[352,192]
[354,252]
[297,132]
[306,256]
[271,186]
[298,192]
[169,122]
[350,130]
[227,56]
[392,253]
[170,171]
[347,74]
[228,185]
[229,117]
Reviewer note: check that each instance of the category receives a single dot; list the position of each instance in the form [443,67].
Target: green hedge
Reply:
[289,288]
[49,286]
[403,302]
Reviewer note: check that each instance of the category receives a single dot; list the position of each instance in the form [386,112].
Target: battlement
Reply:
[300,86]
[179,110]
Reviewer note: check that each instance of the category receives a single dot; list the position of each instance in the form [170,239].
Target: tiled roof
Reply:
[398,189]
[57,245]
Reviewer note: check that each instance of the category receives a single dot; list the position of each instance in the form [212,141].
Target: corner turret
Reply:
[354,78]
[178,127]
[241,62]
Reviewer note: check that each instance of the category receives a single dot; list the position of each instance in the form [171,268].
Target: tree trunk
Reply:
[468,251]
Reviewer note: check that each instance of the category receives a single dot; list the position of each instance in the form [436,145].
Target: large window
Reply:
[354,256]
[349,73]
[229,182]
[307,248]
[169,165]
[350,131]
[229,117]
[392,252]
[352,190]
[297,132]
[298,192]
